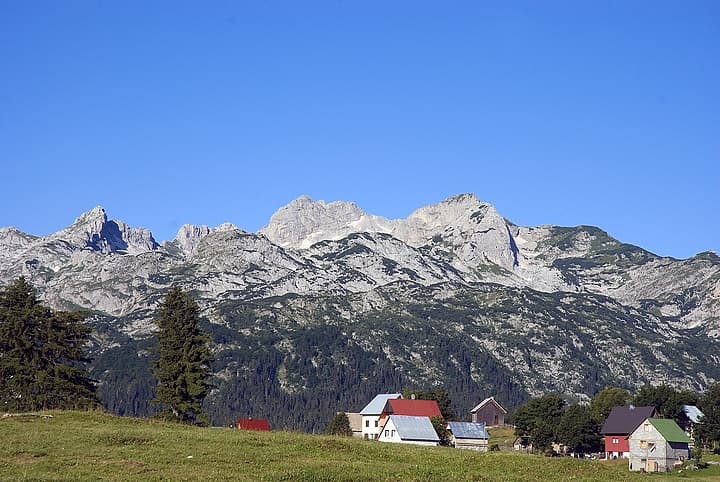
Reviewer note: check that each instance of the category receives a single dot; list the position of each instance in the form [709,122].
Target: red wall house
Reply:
[259,425]
[617,446]
[621,422]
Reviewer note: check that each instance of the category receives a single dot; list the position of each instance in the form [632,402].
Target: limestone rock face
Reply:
[188,236]
[304,222]
[93,230]
[310,246]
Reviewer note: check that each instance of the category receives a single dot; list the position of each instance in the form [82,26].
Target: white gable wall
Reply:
[390,434]
[649,451]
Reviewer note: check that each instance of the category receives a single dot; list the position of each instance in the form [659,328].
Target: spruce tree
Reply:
[182,369]
[41,354]
[339,425]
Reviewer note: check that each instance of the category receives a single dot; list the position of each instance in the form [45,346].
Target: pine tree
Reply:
[339,425]
[440,426]
[182,369]
[41,354]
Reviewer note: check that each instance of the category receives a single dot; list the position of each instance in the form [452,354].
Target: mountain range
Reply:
[328,305]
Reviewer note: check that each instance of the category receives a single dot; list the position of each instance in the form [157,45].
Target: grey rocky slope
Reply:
[453,294]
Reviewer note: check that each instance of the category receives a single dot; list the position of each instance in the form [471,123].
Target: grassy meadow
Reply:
[96,446]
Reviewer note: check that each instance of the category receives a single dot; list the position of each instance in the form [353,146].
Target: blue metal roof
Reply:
[468,430]
[414,428]
[377,404]
[693,413]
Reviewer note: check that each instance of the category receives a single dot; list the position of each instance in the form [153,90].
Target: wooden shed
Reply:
[489,412]
[469,435]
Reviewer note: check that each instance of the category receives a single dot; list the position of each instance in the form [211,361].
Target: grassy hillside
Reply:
[96,446]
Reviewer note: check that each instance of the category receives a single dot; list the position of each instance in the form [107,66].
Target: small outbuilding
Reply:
[256,424]
[469,435]
[408,429]
[489,412]
[657,445]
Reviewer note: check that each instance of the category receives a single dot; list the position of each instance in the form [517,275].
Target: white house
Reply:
[657,445]
[371,414]
[407,429]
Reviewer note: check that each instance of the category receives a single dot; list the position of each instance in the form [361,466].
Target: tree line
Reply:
[549,419]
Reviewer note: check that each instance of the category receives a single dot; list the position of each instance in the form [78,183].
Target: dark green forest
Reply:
[298,360]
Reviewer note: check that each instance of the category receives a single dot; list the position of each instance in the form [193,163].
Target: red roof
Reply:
[260,425]
[417,408]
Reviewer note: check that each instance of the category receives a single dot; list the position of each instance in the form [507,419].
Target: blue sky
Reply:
[575,112]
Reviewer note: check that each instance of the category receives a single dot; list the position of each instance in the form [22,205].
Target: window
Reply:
[367,423]
[643,444]
[392,433]
[651,446]
[615,441]
[646,427]
[376,423]
[387,432]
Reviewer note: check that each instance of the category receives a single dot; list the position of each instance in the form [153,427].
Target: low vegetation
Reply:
[96,446]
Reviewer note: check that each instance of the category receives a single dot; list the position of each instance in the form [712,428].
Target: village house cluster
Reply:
[391,418]
[650,444]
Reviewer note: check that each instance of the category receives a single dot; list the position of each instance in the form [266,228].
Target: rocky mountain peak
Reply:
[189,236]
[92,229]
[305,221]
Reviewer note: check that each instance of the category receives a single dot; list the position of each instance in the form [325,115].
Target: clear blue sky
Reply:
[575,112]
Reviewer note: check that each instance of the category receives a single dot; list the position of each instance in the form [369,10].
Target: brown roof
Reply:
[624,420]
[485,402]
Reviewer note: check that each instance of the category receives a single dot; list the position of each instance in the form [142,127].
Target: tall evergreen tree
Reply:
[41,354]
[182,370]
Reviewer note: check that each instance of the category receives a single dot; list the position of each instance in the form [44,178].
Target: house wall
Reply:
[370,426]
[489,414]
[650,452]
[481,445]
[617,447]
[390,434]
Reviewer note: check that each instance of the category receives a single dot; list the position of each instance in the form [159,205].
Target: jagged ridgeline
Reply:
[328,305]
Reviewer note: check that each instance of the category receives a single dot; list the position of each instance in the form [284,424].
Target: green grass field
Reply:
[96,446]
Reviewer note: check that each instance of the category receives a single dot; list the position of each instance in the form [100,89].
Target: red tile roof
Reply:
[416,408]
[259,425]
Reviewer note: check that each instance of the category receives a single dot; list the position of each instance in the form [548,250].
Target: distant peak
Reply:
[461,198]
[95,214]
[303,200]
